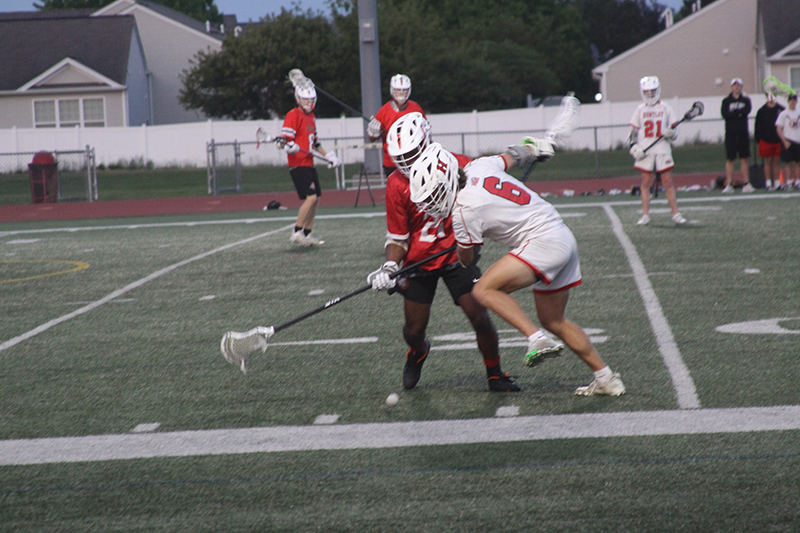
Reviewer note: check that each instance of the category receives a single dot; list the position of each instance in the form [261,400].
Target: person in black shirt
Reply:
[735,109]
[769,143]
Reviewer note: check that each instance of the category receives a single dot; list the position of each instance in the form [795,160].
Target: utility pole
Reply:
[370,74]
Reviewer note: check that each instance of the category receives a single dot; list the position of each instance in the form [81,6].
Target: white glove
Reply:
[542,149]
[637,152]
[374,128]
[291,147]
[670,134]
[333,160]
[380,279]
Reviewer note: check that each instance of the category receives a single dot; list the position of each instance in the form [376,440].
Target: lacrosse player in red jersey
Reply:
[486,202]
[399,105]
[652,120]
[299,139]
[412,235]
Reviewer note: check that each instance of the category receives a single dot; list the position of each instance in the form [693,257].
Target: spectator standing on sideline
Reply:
[735,109]
[299,138]
[769,142]
[399,105]
[486,202]
[788,126]
[652,120]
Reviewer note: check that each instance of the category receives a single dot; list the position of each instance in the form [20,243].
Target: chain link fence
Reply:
[591,152]
[75,177]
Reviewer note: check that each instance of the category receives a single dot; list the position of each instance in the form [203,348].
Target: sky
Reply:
[250,9]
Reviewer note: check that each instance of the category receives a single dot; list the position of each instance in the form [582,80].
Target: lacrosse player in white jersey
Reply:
[486,202]
[651,122]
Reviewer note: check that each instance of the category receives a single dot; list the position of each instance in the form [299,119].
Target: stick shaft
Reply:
[358,291]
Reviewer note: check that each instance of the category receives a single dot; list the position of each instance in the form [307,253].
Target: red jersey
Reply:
[406,222]
[387,115]
[302,129]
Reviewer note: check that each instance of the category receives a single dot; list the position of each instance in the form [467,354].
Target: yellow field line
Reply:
[78,265]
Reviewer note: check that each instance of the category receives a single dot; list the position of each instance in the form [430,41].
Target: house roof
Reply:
[33,45]
[781,20]
[167,12]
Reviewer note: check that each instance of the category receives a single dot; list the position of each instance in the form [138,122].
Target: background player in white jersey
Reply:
[487,202]
[651,120]
[412,236]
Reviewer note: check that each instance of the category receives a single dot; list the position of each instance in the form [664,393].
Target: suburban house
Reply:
[701,54]
[66,71]
[116,66]
[170,40]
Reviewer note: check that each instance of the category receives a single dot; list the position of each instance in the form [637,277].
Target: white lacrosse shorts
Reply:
[553,256]
[659,162]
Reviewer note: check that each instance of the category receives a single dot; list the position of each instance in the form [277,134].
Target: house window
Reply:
[794,78]
[44,113]
[94,114]
[70,112]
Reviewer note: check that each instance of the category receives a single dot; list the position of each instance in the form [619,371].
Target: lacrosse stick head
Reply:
[697,109]
[566,122]
[774,87]
[262,137]
[237,347]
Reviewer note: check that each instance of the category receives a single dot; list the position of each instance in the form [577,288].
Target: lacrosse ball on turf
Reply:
[392,399]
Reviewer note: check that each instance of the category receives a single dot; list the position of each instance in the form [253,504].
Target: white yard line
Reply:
[124,290]
[681,379]
[397,434]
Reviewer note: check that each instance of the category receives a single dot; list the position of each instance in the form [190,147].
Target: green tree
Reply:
[247,79]
[201,10]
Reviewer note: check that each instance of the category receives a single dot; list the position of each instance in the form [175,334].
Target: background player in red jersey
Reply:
[413,235]
[299,139]
[399,105]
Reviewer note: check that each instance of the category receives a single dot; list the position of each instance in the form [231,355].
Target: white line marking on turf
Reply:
[326,420]
[316,292]
[397,434]
[146,428]
[681,379]
[752,271]
[23,241]
[207,298]
[760,327]
[135,285]
[354,340]
[507,410]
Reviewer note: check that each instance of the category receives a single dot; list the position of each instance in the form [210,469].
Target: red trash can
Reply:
[43,171]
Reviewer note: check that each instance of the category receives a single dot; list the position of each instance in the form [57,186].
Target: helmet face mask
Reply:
[400,89]
[651,89]
[434,181]
[406,139]
[306,98]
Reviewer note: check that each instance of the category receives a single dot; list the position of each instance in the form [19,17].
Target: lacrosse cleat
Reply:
[613,387]
[236,347]
[645,220]
[541,349]
[748,188]
[728,189]
[502,383]
[678,219]
[413,367]
[299,238]
[312,241]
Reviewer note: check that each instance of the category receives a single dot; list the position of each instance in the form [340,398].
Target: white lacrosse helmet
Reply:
[400,89]
[306,98]
[434,181]
[651,89]
[407,137]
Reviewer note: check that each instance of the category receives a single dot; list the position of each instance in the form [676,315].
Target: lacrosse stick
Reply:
[696,110]
[776,88]
[262,137]
[237,347]
[299,79]
[561,129]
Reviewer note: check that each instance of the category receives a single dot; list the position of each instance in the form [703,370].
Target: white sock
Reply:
[603,375]
[536,336]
